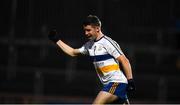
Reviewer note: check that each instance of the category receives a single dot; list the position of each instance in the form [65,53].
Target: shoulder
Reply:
[107,40]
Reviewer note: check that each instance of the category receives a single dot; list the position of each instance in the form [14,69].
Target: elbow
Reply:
[125,60]
[73,55]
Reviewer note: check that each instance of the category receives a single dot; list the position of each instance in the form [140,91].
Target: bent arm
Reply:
[126,66]
[67,49]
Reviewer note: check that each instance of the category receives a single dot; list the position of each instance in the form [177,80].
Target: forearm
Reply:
[67,49]
[127,69]
[128,72]
[126,66]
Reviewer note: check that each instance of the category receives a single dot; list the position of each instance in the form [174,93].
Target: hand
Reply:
[53,36]
[131,86]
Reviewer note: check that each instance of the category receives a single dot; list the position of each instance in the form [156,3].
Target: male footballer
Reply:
[112,66]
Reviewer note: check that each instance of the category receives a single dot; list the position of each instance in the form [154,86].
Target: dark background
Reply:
[34,70]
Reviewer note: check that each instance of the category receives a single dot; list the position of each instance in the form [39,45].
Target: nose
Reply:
[86,33]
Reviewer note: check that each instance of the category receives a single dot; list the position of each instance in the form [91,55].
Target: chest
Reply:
[97,49]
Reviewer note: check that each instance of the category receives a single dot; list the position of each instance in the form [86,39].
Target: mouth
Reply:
[88,36]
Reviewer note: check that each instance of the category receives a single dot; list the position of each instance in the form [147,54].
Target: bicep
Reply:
[76,52]
[122,59]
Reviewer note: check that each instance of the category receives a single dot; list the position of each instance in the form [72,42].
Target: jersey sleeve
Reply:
[83,50]
[113,48]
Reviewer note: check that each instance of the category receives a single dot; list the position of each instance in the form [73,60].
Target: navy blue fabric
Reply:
[101,57]
[120,90]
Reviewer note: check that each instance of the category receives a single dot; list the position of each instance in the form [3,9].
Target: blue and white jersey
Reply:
[104,53]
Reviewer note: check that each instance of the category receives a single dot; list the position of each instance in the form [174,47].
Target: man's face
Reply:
[91,31]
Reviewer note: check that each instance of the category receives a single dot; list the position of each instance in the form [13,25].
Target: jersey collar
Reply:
[99,39]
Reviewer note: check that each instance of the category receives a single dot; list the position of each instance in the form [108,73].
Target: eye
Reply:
[88,30]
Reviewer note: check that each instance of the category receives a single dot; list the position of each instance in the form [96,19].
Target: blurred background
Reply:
[34,70]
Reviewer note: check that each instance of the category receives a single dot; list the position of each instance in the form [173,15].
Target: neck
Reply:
[99,35]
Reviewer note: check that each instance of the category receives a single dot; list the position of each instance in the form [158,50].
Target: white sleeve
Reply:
[113,48]
[83,50]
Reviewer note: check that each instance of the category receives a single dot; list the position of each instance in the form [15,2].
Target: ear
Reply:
[97,29]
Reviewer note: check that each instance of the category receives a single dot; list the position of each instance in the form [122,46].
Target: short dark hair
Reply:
[92,20]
